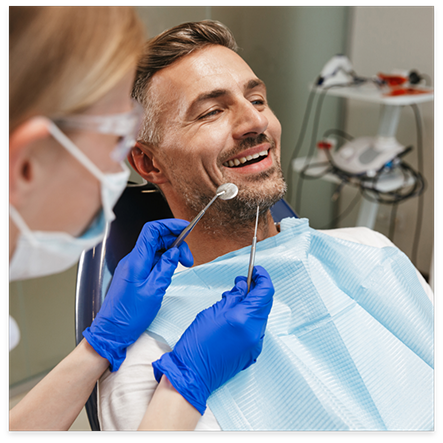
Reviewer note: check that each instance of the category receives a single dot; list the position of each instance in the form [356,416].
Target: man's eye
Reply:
[258,102]
[210,114]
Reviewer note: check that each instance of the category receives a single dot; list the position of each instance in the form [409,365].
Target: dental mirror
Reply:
[225,192]
[230,191]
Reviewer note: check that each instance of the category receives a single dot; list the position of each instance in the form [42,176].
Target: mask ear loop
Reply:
[105,179]
[75,151]
[21,225]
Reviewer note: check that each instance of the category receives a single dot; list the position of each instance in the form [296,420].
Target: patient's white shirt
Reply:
[124,395]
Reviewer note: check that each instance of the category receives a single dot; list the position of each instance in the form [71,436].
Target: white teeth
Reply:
[241,160]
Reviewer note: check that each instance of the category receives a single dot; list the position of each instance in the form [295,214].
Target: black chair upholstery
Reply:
[137,205]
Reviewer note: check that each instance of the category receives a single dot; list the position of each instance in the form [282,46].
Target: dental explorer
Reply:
[252,256]
[225,192]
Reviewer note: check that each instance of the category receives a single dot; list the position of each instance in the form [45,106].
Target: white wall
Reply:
[383,39]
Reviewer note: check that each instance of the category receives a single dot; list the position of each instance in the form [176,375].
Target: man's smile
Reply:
[246,160]
[252,160]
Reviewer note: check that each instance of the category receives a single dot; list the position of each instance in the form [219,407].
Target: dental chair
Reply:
[139,203]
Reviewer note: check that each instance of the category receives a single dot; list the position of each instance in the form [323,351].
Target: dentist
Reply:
[72,123]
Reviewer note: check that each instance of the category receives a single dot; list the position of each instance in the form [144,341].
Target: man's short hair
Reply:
[164,50]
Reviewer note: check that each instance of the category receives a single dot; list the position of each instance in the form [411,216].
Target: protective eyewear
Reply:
[125,125]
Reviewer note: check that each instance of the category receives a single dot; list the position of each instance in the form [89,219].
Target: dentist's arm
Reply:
[54,403]
[133,300]
[168,410]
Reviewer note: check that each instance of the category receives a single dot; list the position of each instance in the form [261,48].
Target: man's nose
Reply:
[250,121]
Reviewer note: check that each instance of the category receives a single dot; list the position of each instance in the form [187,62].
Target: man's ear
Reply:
[143,161]
[22,142]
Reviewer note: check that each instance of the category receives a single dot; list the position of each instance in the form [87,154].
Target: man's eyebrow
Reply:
[208,95]
[254,83]
[251,84]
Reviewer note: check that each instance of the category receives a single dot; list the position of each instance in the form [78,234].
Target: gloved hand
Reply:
[222,341]
[137,288]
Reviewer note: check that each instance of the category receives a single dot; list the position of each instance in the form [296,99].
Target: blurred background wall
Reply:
[383,39]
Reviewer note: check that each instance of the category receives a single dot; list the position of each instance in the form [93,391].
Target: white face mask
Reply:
[40,253]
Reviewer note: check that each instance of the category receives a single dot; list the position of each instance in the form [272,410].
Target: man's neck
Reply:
[206,244]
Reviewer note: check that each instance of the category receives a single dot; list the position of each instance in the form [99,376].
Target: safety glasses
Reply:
[125,125]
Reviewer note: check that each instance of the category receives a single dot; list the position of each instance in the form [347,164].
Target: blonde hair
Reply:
[63,59]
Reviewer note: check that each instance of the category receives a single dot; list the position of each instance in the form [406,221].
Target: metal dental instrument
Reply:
[252,256]
[225,192]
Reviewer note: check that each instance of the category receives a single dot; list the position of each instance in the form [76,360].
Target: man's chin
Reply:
[263,192]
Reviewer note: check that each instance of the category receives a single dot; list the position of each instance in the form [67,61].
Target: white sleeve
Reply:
[366,236]
[124,395]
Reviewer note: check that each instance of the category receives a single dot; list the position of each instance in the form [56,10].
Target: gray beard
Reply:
[238,214]
[226,217]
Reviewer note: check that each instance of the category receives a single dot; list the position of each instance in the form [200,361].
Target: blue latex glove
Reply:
[136,292]
[222,341]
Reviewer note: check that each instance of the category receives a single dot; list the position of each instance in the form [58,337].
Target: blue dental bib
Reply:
[349,340]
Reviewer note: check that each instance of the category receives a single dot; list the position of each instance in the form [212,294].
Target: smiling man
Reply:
[349,339]
[208,122]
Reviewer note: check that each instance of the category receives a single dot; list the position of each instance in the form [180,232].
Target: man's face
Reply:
[218,128]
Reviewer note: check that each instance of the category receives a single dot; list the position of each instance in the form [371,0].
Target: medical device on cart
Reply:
[374,163]
[368,155]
